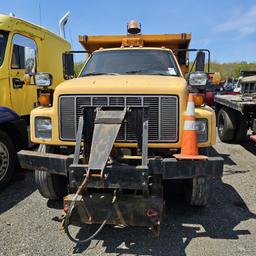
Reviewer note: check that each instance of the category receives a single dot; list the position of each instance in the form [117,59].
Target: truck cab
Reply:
[121,70]
[25,50]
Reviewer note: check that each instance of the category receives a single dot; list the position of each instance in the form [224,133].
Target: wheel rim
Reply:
[4,160]
[221,125]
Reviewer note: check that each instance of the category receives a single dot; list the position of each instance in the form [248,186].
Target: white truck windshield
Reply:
[3,40]
[137,62]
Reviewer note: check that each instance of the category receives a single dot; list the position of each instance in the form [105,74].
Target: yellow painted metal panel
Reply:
[125,85]
[49,59]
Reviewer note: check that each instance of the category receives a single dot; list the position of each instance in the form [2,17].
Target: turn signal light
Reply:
[198,99]
[44,99]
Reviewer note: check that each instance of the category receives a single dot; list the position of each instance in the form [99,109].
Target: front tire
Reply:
[8,159]
[50,186]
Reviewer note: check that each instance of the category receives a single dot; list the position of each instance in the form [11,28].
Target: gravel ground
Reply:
[227,226]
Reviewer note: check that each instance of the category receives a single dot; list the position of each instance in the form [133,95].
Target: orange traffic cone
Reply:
[189,147]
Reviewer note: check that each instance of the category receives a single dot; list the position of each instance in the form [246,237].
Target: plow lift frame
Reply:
[110,204]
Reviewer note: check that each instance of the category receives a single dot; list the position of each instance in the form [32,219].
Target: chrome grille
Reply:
[163,115]
[168,118]
[67,117]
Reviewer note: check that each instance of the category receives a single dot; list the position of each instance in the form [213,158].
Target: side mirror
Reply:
[68,65]
[198,79]
[200,61]
[43,79]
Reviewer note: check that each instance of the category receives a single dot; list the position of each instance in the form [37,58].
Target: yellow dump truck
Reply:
[109,141]
[26,50]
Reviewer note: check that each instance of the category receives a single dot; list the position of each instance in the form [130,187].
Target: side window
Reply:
[24,53]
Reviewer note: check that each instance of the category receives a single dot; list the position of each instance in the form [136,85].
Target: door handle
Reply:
[17,83]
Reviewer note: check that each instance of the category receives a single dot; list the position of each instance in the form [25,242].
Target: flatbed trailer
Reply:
[236,114]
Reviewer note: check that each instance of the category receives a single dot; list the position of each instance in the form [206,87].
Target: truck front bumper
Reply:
[169,168]
[126,179]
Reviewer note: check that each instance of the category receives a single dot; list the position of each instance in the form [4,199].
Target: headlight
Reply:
[197,79]
[202,130]
[43,79]
[43,128]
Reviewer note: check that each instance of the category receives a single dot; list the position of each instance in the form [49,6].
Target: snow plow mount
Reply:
[126,200]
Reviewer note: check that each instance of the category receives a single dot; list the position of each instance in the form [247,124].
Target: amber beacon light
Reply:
[133,27]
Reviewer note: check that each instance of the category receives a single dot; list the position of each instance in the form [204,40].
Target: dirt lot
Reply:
[227,226]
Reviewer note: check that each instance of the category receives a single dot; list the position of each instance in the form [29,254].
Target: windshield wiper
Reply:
[100,74]
[137,71]
[149,72]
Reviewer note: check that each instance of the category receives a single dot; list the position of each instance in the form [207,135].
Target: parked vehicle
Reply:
[13,137]
[26,50]
[229,85]
[131,110]
[236,114]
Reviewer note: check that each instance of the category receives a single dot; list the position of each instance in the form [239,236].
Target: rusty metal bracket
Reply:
[99,136]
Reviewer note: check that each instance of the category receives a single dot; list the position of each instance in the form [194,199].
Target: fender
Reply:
[7,115]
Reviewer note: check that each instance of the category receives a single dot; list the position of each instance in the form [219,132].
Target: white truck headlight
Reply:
[197,78]
[43,128]
[202,130]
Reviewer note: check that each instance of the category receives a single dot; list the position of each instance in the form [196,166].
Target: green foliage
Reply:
[231,69]
[78,66]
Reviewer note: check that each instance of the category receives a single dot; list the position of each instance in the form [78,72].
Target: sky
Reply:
[226,27]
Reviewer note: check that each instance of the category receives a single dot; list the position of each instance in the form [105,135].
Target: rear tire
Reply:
[50,186]
[197,191]
[8,159]
[226,125]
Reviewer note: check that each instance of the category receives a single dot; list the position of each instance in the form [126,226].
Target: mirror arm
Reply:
[194,62]
[196,50]
[31,75]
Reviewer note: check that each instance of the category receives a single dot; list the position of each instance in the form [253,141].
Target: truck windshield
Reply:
[132,62]
[3,41]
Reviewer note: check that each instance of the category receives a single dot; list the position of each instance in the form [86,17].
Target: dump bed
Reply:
[170,41]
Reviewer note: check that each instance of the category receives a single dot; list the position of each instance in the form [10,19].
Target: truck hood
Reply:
[123,84]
